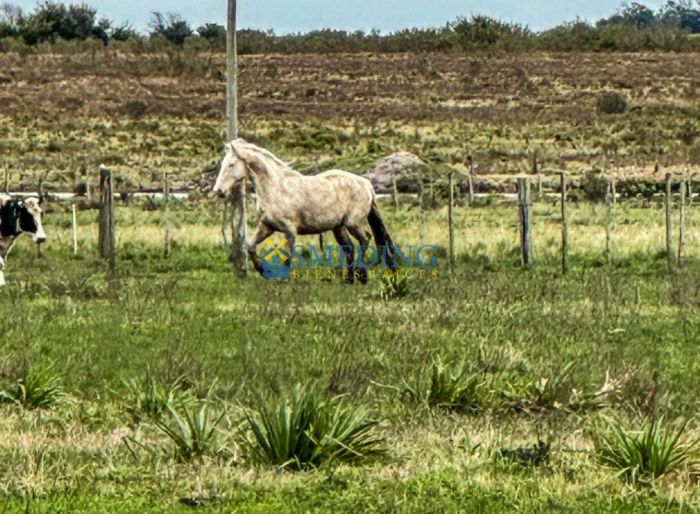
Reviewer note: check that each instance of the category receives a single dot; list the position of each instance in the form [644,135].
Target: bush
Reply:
[171,26]
[649,453]
[308,431]
[612,102]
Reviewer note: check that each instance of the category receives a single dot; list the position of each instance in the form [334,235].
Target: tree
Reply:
[682,14]
[171,26]
[212,32]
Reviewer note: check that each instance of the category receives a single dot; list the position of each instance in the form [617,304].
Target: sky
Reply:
[286,16]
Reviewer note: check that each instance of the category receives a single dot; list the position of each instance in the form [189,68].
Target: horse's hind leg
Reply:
[261,233]
[343,238]
[363,237]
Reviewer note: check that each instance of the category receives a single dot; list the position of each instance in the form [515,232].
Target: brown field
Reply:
[65,114]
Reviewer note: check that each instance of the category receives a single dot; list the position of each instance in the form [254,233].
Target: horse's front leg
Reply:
[261,233]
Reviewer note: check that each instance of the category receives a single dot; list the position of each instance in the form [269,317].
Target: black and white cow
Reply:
[18,217]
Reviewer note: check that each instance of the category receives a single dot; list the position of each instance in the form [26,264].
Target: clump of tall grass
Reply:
[557,391]
[395,286]
[39,388]
[308,430]
[651,452]
[451,387]
[149,398]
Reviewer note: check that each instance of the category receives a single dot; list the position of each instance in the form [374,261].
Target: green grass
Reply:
[165,327]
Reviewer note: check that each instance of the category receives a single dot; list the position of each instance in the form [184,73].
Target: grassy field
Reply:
[549,359]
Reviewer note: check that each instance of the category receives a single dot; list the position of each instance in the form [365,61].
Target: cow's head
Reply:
[20,216]
[233,170]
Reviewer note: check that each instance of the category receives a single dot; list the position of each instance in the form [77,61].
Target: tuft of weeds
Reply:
[307,431]
[556,392]
[455,389]
[395,286]
[645,454]
[531,456]
[39,388]
[192,429]
[149,398]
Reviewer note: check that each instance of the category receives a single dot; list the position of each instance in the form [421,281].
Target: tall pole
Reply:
[238,244]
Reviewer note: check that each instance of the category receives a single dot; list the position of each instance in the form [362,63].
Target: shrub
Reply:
[171,26]
[649,453]
[612,102]
[40,388]
[308,431]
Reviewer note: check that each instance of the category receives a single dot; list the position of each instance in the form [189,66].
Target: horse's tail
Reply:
[381,236]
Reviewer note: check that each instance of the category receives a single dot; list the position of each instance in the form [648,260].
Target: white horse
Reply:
[295,204]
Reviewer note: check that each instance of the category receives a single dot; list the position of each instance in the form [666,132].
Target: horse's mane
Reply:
[269,155]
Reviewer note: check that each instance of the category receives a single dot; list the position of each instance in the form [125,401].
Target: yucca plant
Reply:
[193,429]
[308,430]
[655,450]
[457,390]
[40,388]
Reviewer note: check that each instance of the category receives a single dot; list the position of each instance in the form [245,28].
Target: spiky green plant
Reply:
[454,389]
[149,398]
[192,429]
[308,430]
[655,450]
[395,286]
[40,388]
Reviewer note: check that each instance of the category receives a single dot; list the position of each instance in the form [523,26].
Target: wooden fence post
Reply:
[524,203]
[75,230]
[669,223]
[564,227]
[394,191]
[470,179]
[608,221]
[106,230]
[681,224]
[166,213]
[450,220]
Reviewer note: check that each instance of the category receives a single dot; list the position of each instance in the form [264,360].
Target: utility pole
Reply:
[239,222]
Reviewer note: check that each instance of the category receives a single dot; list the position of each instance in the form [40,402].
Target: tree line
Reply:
[634,27]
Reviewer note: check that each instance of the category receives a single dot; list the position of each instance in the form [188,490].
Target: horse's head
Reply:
[19,216]
[233,169]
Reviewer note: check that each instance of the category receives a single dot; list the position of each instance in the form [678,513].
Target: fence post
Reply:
[681,224]
[106,230]
[564,227]
[239,227]
[450,220]
[470,179]
[75,230]
[524,203]
[608,221]
[669,223]
[166,212]
[395,191]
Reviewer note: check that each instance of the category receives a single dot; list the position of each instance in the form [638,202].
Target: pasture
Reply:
[548,357]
